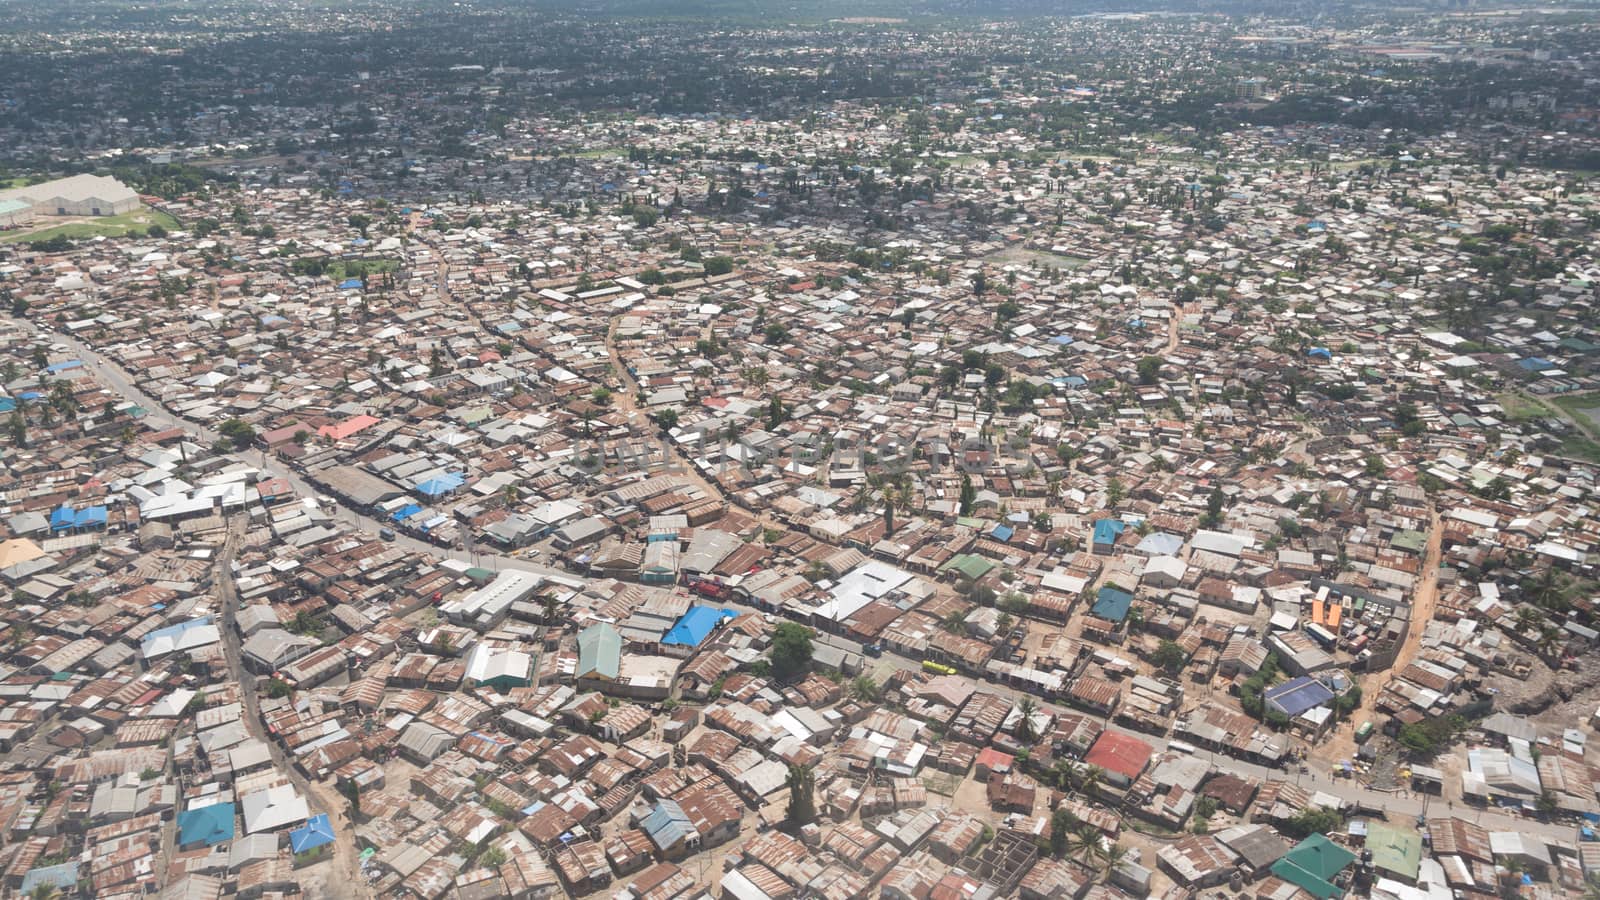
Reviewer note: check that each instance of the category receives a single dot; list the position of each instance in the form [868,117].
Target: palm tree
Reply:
[1110,858]
[1090,779]
[1024,731]
[1528,617]
[1086,843]
[1549,640]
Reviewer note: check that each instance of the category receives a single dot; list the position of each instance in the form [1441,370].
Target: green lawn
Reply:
[1579,447]
[109,226]
[341,269]
[599,152]
[1522,409]
[1584,405]
[1581,408]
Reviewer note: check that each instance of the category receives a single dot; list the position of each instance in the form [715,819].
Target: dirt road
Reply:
[343,882]
[1341,745]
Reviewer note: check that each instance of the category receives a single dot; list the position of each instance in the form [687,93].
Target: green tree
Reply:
[1063,825]
[968,494]
[1149,369]
[718,265]
[352,792]
[864,688]
[238,432]
[1316,820]
[802,783]
[1169,657]
[791,649]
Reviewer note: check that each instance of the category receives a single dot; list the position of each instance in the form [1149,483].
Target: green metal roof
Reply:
[600,651]
[1312,865]
[969,565]
[1410,540]
[1397,850]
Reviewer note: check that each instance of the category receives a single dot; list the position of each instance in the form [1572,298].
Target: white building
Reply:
[79,195]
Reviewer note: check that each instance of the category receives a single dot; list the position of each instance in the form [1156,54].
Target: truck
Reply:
[705,587]
[929,665]
[386,533]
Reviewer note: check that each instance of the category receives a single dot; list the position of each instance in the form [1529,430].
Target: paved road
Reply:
[1346,789]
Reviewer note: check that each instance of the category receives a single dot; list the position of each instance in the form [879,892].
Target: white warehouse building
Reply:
[79,195]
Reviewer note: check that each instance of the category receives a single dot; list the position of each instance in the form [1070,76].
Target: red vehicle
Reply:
[707,588]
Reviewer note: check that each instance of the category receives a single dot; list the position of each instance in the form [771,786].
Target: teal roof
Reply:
[210,825]
[600,651]
[1313,864]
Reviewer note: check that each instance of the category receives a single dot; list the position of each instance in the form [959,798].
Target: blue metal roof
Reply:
[1106,530]
[65,517]
[1160,543]
[317,832]
[62,876]
[210,825]
[443,484]
[1297,695]
[1002,532]
[1112,604]
[698,622]
[667,825]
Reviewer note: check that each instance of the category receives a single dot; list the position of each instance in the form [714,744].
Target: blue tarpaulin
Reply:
[406,512]
[350,284]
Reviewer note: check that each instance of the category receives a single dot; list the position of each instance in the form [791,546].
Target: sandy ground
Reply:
[1341,744]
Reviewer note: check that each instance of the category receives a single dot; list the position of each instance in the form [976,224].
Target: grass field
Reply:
[341,269]
[1584,406]
[1583,409]
[107,226]
[1522,409]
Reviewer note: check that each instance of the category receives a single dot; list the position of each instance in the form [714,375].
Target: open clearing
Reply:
[75,227]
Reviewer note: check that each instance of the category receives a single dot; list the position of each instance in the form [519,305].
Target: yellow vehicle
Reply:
[929,665]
